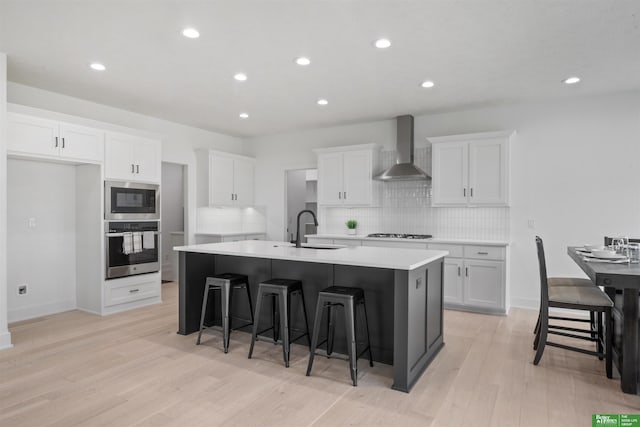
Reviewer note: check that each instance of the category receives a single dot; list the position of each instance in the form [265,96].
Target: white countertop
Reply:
[398,259]
[231,233]
[431,240]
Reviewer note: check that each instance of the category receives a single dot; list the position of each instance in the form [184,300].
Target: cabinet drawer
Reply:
[484,252]
[455,251]
[121,293]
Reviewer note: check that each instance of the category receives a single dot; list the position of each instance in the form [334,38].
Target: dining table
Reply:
[621,282]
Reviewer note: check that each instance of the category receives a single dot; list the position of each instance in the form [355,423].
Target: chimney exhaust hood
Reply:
[404,169]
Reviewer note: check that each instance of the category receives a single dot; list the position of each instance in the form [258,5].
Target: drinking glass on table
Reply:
[620,245]
[633,250]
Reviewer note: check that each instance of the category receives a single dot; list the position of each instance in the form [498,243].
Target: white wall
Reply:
[172,201]
[5,336]
[43,257]
[574,172]
[178,141]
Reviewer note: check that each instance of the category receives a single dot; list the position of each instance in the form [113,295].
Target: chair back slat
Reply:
[544,286]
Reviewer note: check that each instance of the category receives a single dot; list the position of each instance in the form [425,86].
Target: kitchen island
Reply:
[403,292]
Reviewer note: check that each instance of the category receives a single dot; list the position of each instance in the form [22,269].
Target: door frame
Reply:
[286,170]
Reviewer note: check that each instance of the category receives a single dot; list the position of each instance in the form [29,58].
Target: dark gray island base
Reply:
[405,306]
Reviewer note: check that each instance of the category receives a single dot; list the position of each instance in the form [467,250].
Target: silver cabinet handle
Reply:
[231,196]
[464,192]
[471,191]
[466,271]
[458,270]
[137,168]
[483,253]
[340,195]
[133,168]
[62,142]
[345,195]
[133,291]
[56,142]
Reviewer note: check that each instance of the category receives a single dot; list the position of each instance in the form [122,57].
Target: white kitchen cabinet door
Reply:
[488,174]
[330,167]
[118,157]
[243,171]
[450,173]
[221,177]
[357,180]
[453,281]
[484,284]
[82,143]
[32,135]
[146,157]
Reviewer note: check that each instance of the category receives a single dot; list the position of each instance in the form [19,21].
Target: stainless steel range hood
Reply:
[404,169]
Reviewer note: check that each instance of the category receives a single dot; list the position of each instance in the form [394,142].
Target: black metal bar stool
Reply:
[280,290]
[225,283]
[348,298]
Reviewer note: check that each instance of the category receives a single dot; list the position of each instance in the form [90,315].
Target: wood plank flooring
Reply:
[132,369]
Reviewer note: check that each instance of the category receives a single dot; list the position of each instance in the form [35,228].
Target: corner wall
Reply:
[5,336]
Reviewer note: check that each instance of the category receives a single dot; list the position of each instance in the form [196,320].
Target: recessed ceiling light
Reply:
[382,43]
[97,66]
[191,33]
[322,102]
[244,115]
[240,77]
[303,61]
[427,84]
[571,80]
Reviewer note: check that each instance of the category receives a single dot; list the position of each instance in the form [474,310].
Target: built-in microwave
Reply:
[131,201]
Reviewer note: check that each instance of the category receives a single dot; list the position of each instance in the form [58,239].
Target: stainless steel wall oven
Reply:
[131,248]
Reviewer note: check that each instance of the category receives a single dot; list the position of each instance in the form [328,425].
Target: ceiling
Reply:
[478,52]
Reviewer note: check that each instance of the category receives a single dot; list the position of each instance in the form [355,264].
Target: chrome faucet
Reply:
[315,220]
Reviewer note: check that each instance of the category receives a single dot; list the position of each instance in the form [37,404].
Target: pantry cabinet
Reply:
[37,137]
[471,170]
[132,158]
[345,175]
[228,178]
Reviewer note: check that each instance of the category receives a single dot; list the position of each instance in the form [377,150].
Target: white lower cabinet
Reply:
[474,277]
[131,289]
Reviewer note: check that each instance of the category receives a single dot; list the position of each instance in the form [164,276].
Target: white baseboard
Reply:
[531,304]
[40,310]
[5,340]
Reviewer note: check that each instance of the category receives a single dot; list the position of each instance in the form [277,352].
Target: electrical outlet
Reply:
[531,224]
[32,223]
[22,289]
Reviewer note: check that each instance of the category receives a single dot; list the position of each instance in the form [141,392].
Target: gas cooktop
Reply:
[400,236]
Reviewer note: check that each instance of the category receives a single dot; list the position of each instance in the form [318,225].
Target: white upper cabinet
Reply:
[33,136]
[228,178]
[471,170]
[345,175]
[132,158]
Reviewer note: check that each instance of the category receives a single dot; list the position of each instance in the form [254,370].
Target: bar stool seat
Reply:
[280,290]
[225,283]
[348,298]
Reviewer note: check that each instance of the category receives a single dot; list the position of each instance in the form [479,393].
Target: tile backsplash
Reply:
[231,219]
[405,207]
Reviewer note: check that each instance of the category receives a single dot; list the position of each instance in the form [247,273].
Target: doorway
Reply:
[173,217]
[301,193]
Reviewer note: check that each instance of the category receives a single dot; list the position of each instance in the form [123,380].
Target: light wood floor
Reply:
[132,368]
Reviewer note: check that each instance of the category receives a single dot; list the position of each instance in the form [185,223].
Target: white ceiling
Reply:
[478,52]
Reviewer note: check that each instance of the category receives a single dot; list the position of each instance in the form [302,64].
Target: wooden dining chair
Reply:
[588,298]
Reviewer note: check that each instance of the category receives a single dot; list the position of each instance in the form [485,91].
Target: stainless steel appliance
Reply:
[400,236]
[404,169]
[131,248]
[131,201]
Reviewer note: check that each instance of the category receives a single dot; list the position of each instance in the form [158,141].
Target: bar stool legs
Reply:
[280,290]
[348,299]
[226,283]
